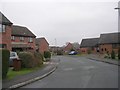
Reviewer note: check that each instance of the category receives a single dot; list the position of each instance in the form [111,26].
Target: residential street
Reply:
[79,72]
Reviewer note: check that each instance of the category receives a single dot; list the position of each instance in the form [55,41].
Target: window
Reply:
[102,49]
[21,38]
[12,37]
[30,39]
[3,45]
[105,49]
[2,28]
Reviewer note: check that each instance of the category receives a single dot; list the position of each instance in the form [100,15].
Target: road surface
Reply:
[79,72]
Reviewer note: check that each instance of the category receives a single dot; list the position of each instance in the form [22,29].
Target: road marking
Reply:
[68,69]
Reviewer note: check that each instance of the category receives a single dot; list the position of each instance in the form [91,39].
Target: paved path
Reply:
[79,72]
[101,58]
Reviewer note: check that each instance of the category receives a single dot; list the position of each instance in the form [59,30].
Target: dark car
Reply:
[73,53]
[13,55]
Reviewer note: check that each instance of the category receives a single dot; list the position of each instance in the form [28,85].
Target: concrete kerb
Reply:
[103,61]
[31,80]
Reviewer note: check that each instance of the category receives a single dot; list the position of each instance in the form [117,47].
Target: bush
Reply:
[89,51]
[5,62]
[29,60]
[47,54]
[38,58]
[113,55]
[59,52]
[119,53]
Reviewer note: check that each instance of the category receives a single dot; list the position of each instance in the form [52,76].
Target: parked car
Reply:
[73,53]
[13,55]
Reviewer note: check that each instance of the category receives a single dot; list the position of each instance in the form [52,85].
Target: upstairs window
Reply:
[21,38]
[30,39]
[12,37]
[2,28]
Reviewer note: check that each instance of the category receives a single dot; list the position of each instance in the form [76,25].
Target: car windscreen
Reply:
[12,54]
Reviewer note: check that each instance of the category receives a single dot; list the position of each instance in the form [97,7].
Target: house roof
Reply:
[39,40]
[4,20]
[22,31]
[109,38]
[90,42]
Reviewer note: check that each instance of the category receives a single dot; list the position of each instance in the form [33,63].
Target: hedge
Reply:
[5,62]
[47,54]
[119,53]
[29,60]
[113,54]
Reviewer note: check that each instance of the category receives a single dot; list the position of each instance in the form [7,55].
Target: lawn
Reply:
[11,74]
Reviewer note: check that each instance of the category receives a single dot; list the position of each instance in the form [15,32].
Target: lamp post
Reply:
[118,8]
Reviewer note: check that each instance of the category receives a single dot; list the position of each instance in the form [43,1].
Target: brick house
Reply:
[42,45]
[89,45]
[22,39]
[109,42]
[5,32]
[68,48]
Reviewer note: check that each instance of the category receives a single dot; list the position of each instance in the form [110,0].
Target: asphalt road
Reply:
[79,72]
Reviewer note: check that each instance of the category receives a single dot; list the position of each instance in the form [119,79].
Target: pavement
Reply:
[101,58]
[22,80]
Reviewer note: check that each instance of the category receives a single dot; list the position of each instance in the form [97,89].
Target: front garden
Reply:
[30,61]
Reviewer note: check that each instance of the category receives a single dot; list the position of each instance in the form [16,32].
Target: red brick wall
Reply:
[26,40]
[68,47]
[83,50]
[5,37]
[86,50]
[43,46]
[105,48]
[108,48]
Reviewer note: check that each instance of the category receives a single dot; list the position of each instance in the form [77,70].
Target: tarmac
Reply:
[46,70]
[22,80]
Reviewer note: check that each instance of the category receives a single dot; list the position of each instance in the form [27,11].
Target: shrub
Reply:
[59,52]
[38,58]
[30,60]
[5,62]
[89,51]
[113,54]
[27,59]
[119,53]
[47,54]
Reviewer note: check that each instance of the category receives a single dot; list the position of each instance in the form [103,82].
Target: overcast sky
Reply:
[63,20]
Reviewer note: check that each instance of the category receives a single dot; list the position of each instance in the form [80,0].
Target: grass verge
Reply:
[12,74]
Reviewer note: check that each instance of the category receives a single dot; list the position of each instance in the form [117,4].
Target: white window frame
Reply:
[21,38]
[2,28]
[12,37]
[30,39]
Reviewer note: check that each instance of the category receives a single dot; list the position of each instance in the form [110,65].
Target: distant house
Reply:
[56,49]
[42,45]
[68,48]
[76,47]
[5,32]
[89,45]
[109,42]
[22,39]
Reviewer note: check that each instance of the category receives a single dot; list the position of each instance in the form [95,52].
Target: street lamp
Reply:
[117,8]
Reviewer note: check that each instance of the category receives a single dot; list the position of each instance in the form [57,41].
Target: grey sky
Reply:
[65,20]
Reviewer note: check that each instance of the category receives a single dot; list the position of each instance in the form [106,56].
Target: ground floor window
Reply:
[3,46]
